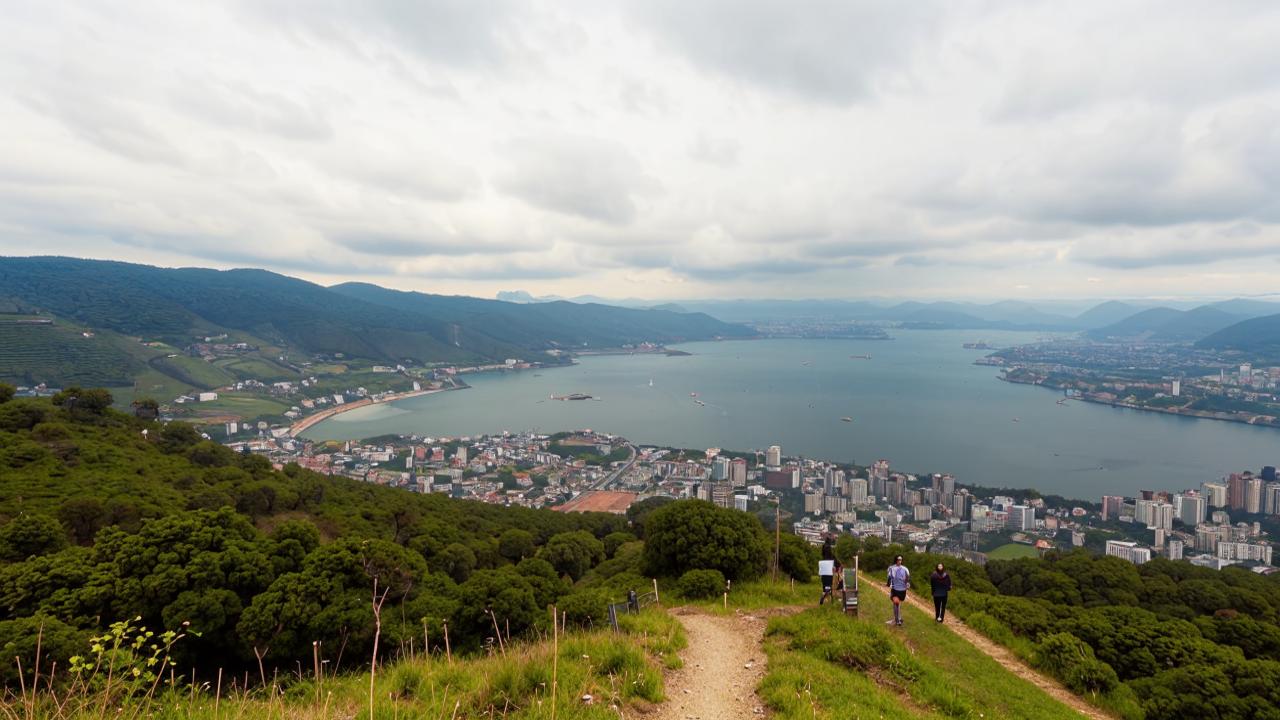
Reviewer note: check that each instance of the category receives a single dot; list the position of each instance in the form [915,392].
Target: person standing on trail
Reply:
[940,584]
[899,581]
[826,572]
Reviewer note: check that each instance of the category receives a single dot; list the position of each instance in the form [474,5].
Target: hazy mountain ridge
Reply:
[1168,325]
[1259,335]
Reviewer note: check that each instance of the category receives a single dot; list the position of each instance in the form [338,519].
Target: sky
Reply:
[655,148]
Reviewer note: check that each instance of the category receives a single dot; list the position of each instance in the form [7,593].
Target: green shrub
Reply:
[1072,661]
[698,584]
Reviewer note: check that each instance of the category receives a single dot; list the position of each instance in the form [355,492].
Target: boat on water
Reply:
[846,419]
[693,394]
[700,403]
[650,382]
[980,345]
[1061,401]
[1017,420]
[572,396]
[859,357]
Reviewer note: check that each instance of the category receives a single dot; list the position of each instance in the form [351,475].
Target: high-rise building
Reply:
[1175,550]
[1142,511]
[1190,508]
[1235,491]
[858,491]
[922,513]
[895,490]
[1271,498]
[773,457]
[880,469]
[1269,473]
[1215,494]
[1260,552]
[1128,551]
[738,472]
[1177,388]
[1022,517]
[812,503]
[1161,516]
[835,503]
[722,494]
[960,503]
[1253,495]
[944,485]
[720,468]
[1111,505]
[834,482]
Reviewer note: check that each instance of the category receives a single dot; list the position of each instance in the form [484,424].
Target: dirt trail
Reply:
[1004,656]
[722,666]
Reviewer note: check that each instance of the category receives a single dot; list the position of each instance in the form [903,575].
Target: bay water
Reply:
[919,401]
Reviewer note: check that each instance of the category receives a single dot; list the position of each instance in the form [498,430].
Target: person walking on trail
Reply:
[826,572]
[940,584]
[899,581]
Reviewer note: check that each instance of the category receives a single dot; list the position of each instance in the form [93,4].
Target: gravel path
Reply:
[722,666]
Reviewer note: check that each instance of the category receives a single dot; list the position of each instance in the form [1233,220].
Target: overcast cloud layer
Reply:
[655,148]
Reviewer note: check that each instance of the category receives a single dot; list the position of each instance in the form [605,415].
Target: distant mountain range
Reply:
[363,321]
[1237,324]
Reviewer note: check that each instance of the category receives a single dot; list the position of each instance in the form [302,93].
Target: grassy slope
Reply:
[826,665]
[622,670]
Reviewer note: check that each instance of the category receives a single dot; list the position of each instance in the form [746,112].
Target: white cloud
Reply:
[653,148]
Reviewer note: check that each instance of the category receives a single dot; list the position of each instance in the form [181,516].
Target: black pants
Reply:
[940,606]
[826,587]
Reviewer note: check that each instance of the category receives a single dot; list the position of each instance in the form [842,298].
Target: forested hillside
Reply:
[564,323]
[175,304]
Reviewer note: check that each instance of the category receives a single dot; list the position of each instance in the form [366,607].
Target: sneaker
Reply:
[899,623]
[890,621]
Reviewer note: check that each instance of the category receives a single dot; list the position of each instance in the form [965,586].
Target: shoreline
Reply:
[307,422]
[1177,412]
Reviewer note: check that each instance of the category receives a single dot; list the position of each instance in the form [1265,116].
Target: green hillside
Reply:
[564,323]
[1258,336]
[176,305]
[1160,641]
[58,355]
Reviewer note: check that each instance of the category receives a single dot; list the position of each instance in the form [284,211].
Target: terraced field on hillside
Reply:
[60,356]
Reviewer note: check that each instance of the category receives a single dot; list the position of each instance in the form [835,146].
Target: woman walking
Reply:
[899,581]
[940,583]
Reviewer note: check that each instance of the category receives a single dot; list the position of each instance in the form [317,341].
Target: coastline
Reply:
[1253,420]
[302,425]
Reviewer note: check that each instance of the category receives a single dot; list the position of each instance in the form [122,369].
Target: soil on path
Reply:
[722,666]
[1005,657]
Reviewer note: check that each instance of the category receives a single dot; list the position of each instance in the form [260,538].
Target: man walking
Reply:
[899,581]
[826,572]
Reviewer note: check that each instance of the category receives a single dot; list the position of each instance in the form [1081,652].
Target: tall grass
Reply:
[596,675]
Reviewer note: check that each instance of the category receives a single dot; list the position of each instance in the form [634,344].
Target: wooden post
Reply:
[655,591]
[555,659]
[448,654]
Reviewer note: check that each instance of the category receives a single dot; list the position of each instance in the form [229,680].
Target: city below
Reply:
[594,471]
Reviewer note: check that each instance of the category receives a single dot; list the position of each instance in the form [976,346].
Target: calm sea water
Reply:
[919,402]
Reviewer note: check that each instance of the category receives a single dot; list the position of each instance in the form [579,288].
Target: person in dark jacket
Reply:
[940,583]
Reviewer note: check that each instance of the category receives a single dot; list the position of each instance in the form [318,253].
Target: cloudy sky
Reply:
[655,148]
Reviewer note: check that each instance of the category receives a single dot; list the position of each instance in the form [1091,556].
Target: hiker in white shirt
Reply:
[899,581]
